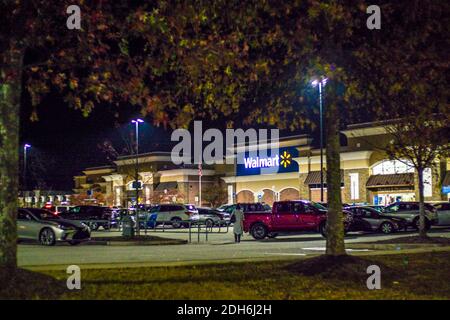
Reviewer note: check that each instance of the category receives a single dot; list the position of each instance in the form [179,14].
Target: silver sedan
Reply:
[47,228]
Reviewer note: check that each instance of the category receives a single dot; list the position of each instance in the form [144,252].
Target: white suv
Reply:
[174,214]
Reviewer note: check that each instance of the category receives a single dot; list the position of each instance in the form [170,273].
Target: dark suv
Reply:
[94,216]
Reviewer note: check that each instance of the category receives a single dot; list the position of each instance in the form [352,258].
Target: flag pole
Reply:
[200,173]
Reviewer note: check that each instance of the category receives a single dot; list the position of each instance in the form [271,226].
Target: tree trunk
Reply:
[422,228]
[10,92]
[335,227]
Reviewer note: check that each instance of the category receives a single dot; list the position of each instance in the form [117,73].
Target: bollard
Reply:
[190,225]
[198,232]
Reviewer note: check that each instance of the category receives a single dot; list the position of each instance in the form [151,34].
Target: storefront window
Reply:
[393,167]
[354,186]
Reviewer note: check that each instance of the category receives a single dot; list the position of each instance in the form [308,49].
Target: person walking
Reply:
[238,227]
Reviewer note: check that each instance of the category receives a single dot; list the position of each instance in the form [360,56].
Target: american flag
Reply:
[200,173]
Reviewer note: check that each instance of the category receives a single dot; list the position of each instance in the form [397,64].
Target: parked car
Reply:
[191,208]
[48,228]
[262,207]
[443,212]
[58,208]
[378,207]
[210,217]
[223,207]
[369,219]
[174,214]
[224,216]
[325,204]
[288,216]
[94,216]
[410,212]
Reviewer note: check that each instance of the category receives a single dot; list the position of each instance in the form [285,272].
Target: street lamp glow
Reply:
[137,121]
[323,82]
[27,145]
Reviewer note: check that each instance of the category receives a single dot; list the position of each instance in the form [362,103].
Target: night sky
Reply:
[64,142]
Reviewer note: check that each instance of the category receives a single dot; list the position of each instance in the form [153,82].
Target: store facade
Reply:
[159,180]
[258,175]
[264,176]
[367,174]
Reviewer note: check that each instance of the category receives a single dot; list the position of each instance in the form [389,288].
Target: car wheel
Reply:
[323,229]
[209,223]
[94,226]
[386,227]
[272,235]
[259,231]
[176,223]
[74,242]
[47,237]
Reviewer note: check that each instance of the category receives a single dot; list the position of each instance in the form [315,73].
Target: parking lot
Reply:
[219,247]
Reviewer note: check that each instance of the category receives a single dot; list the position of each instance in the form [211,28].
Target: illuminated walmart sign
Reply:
[261,162]
[278,161]
[257,162]
[286,159]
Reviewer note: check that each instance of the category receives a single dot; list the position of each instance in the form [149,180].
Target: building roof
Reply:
[153,153]
[384,180]
[314,177]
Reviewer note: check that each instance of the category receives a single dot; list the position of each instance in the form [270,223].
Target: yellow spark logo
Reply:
[286,159]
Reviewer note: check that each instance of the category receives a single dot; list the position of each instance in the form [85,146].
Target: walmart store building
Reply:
[293,172]
[367,175]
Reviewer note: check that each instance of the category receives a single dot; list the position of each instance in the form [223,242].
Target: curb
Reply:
[136,243]
[395,246]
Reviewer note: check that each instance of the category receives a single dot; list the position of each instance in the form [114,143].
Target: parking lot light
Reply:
[136,176]
[320,83]
[25,147]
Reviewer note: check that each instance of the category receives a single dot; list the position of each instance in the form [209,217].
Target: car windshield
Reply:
[43,214]
[318,206]
[392,208]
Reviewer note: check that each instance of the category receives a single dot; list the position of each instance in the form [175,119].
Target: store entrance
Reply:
[391,197]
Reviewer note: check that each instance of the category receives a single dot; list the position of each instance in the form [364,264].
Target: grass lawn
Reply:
[414,276]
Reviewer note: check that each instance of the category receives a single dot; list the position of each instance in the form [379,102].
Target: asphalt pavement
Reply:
[219,248]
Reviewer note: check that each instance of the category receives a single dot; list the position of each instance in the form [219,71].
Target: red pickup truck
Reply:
[298,215]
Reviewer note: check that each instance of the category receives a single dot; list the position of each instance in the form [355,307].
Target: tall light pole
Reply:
[321,83]
[136,171]
[25,148]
